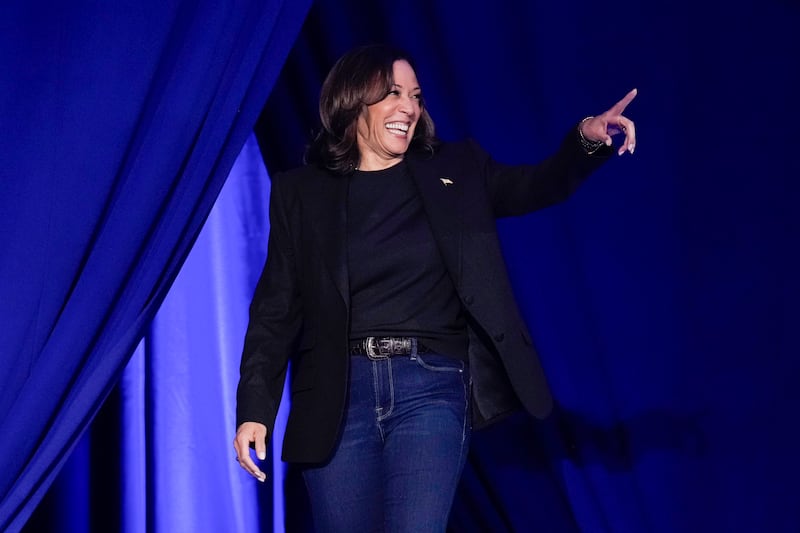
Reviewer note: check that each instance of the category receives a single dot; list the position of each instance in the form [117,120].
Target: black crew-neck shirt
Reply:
[398,282]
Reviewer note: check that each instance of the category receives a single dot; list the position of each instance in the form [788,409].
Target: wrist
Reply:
[588,145]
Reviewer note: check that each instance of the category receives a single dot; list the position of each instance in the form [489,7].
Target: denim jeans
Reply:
[402,449]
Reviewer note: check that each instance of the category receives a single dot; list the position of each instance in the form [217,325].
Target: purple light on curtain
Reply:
[122,120]
[184,376]
[134,445]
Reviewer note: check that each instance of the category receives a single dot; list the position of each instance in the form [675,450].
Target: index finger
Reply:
[620,106]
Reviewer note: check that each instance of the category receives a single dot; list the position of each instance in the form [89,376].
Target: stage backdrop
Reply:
[662,297]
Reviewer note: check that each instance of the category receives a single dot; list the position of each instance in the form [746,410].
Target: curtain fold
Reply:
[123,121]
[183,378]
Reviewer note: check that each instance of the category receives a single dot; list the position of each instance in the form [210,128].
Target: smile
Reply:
[398,128]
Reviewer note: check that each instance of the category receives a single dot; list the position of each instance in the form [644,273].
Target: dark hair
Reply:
[361,77]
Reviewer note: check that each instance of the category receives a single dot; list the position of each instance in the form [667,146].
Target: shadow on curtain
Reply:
[121,122]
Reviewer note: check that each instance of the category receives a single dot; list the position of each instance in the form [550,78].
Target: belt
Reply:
[385,347]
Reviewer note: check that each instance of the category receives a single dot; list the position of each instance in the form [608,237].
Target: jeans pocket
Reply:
[440,363]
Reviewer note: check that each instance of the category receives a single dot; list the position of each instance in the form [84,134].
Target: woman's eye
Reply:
[417,96]
[394,92]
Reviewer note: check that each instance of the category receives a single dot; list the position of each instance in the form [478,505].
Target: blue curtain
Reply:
[177,389]
[158,455]
[121,121]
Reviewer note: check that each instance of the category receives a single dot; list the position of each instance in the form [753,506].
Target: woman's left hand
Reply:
[612,122]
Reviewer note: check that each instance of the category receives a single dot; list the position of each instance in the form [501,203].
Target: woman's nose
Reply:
[407,106]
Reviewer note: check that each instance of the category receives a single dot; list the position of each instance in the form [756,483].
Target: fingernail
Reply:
[262,456]
[631,148]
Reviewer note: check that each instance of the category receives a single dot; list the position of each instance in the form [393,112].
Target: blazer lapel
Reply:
[442,197]
[328,218]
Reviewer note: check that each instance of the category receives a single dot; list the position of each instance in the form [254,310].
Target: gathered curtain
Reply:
[121,122]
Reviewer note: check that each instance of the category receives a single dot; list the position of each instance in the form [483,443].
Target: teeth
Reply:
[397,126]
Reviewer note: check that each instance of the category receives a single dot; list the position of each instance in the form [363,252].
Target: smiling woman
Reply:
[385,128]
[364,91]
[386,288]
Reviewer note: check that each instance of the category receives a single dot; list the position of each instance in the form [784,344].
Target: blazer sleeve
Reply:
[275,318]
[520,189]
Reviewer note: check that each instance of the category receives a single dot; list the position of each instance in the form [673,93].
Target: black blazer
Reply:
[300,309]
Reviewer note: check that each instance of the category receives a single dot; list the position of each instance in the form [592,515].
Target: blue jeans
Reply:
[403,445]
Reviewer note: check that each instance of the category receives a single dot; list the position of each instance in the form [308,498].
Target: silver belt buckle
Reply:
[378,348]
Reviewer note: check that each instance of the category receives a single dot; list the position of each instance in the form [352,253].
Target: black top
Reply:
[398,283]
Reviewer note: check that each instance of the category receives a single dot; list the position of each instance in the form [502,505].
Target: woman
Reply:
[385,287]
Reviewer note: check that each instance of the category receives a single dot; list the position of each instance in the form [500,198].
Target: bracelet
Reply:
[588,146]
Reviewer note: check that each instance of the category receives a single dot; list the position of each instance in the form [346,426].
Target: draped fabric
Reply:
[158,456]
[120,122]
[181,380]
[662,297]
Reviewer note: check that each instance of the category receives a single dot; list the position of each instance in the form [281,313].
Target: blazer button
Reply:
[499,337]
[469,300]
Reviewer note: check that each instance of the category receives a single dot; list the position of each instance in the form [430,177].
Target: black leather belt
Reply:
[385,347]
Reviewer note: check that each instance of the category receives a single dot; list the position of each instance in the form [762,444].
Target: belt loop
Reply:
[413,348]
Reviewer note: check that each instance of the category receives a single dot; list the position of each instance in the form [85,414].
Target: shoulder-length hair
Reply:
[362,77]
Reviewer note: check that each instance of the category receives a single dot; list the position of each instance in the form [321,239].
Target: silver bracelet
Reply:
[589,147]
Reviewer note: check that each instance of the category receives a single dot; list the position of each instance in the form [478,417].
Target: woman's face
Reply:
[385,129]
